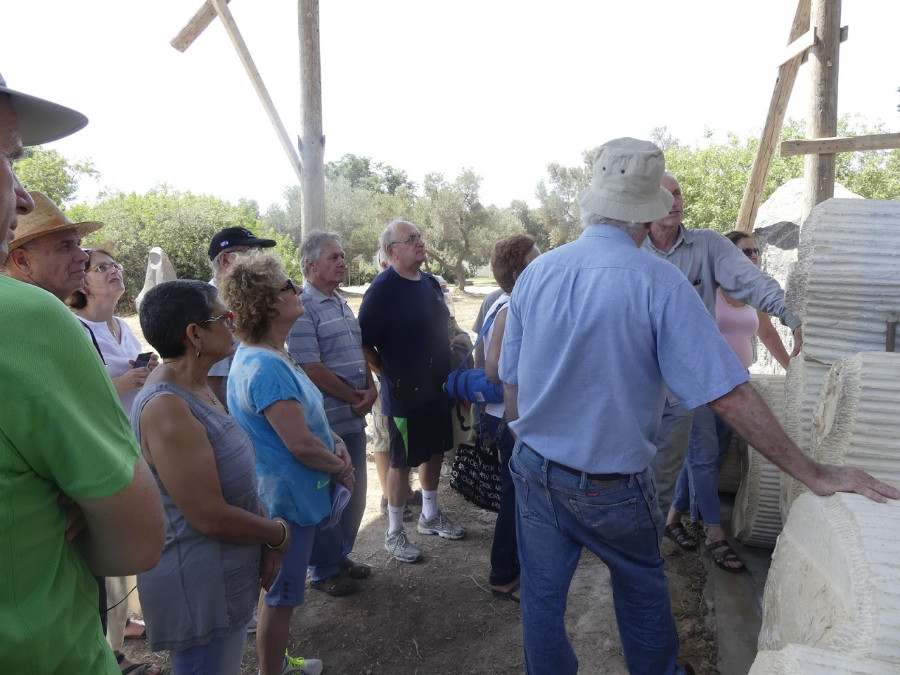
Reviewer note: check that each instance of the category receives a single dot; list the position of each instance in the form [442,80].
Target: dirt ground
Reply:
[438,616]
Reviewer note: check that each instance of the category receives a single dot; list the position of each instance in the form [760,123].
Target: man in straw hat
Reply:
[597,331]
[63,437]
[46,251]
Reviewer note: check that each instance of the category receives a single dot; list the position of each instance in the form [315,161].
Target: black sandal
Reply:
[722,553]
[677,533]
[356,570]
[336,586]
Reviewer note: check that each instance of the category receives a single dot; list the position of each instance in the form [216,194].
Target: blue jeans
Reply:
[222,656]
[698,484]
[504,553]
[332,546]
[671,447]
[558,514]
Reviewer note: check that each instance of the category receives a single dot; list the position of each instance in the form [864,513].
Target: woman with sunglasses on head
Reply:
[697,487]
[94,304]
[298,457]
[220,544]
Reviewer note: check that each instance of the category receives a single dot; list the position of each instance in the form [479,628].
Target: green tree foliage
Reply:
[181,223]
[558,211]
[51,173]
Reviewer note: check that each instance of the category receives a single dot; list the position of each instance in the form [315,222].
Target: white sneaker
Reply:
[398,546]
[441,526]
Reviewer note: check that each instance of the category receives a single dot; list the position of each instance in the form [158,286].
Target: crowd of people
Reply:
[242,470]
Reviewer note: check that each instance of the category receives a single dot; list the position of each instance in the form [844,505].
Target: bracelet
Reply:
[283,538]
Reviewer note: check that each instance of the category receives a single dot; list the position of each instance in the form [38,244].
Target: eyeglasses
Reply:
[289,286]
[103,268]
[750,252]
[410,240]
[227,317]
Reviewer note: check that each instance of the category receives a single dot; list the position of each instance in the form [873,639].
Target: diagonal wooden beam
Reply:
[198,23]
[256,80]
[768,140]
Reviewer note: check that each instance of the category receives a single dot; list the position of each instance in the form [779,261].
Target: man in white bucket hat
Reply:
[77,498]
[597,331]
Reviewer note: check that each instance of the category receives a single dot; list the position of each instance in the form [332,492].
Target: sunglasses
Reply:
[103,268]
[227,317]
[289,286]
[750,252]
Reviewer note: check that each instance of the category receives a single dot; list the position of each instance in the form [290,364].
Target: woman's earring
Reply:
[198,352]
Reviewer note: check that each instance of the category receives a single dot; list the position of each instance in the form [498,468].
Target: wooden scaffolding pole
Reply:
[762,163]
[819,169]
[312,141]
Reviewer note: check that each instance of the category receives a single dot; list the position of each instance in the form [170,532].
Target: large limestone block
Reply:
[856,420]
[804,660]
[846,284]
[805,378]
[756,518]
[834,582]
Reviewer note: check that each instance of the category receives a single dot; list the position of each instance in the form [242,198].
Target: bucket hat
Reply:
[626,182]
[42,121]
[47,218]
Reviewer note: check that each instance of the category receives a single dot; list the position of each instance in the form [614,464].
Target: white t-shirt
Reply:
[494,409]
[117,354]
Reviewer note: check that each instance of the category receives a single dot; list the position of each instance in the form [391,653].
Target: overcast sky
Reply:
[502,87]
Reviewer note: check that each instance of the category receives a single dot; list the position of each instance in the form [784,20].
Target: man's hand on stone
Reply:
[830,479]
[798,340]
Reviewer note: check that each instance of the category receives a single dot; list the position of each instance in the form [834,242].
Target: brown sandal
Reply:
[677,533]
[336,586]
[722,553]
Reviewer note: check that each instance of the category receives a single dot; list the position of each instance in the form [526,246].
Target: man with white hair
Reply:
[406,337]
[585,406]
[78,498]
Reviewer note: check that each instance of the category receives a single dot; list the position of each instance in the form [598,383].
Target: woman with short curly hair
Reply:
[298,458]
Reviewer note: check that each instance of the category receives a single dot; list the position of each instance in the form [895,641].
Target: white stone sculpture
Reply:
[834,582]
[803,660]
[159,269]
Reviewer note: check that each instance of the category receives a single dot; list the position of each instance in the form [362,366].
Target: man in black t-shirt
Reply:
[406,338]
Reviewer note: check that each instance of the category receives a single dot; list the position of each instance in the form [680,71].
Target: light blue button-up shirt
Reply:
[596,331]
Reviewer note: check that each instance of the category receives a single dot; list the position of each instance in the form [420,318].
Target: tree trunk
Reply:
[460,275]
[312,141]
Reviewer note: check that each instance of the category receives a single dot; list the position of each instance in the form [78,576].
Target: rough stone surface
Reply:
[834,582]
[856,419]
[756,518]
[159,269]
[803,660]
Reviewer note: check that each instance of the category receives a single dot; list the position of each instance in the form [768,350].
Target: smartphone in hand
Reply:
[142,360]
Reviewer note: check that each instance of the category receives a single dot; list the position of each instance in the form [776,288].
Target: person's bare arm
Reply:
[324,378]
[367,395]
[177,444]
[511,400]
[798,341]
[492,359]
[288,421]
[744,409]
[769,336]
[124,533]
[373,359]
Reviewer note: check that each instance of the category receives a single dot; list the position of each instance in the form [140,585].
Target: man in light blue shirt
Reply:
[596,333]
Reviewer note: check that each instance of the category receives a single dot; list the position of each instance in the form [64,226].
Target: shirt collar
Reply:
[607,232]
[684,236]
[318,296]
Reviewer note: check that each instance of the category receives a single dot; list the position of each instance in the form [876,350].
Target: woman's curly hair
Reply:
[508,257]
[250,288]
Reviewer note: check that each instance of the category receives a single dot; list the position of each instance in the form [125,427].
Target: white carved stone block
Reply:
[856,420]
[834,582]
[756,519]
[159,269]
[804,660]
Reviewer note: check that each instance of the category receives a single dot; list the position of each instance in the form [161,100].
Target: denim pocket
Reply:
[613,520]
[521,487]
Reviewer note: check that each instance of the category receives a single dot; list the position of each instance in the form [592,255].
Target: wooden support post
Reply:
[241,47]
[195,26]
[823,60]
[840,144]
[312,141]
[762,163]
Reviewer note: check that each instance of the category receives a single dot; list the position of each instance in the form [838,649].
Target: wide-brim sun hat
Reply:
[47,218]
[626,182]
[42,121]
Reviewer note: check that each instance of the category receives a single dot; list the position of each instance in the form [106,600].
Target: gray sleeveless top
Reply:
[202,588]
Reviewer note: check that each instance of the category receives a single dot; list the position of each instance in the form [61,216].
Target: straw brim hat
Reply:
[626,182]
[47,218]
[42,121]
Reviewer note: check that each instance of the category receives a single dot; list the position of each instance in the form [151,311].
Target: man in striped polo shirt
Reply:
[326,342]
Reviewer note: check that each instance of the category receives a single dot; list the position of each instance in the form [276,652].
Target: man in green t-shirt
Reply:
[63,440]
